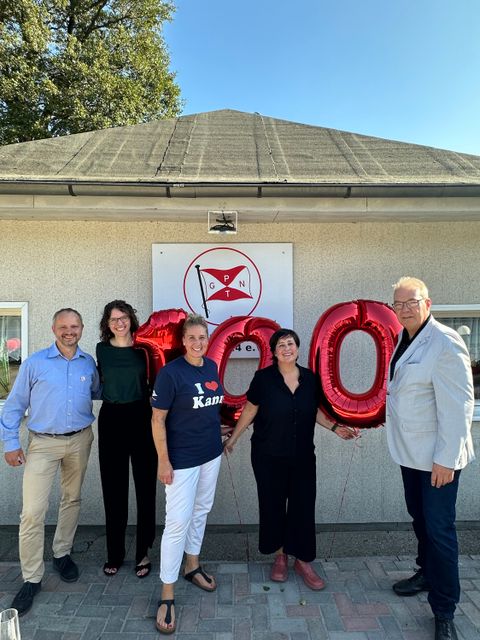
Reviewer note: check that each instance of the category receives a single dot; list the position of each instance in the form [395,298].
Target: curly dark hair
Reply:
[282,333]
[121,305]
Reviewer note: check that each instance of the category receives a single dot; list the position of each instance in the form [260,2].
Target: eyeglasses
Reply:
[122,319]
[411,304]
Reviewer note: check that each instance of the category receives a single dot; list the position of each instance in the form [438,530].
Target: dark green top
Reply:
[123,372]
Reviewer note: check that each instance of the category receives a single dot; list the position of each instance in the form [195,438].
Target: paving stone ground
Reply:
[357,603]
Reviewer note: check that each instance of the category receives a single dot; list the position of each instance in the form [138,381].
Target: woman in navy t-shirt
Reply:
[186,429]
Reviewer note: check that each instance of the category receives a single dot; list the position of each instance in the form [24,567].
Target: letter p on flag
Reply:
[227,284]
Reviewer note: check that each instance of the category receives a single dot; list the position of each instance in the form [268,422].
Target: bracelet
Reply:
[334,427]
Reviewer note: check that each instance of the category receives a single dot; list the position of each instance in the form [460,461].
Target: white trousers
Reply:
[189,500]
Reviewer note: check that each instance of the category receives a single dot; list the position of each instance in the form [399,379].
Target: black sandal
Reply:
[110,569]
[199,571]
[147,567]
[168,617]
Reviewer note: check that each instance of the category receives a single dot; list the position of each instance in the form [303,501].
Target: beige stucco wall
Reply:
[86,264]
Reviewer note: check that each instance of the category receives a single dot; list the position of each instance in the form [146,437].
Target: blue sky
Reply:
[405,69]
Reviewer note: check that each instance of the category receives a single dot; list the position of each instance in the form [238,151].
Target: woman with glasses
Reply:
[125,437]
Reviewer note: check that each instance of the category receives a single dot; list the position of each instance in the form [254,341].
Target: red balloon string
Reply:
[237,505]
[340,507]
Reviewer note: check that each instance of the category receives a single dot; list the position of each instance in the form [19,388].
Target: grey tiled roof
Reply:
[234,147]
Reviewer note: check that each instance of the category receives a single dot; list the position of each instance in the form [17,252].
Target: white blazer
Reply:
[430,402]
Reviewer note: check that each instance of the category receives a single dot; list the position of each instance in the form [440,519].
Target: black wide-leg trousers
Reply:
[124,437]
[287,489]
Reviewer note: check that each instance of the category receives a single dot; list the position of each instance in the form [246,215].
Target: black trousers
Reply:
[433,513]
[287,488]
[124,437]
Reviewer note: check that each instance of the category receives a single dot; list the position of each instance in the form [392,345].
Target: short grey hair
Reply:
[408,281]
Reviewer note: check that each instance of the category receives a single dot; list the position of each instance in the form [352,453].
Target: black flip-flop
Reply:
[168,617]
[141,567]
[110,569]
[191,575]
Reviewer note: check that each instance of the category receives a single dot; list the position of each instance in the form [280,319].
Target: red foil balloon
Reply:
[161,338]
[224,339]
[380,322]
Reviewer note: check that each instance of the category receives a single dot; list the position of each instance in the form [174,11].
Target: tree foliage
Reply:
[68,66]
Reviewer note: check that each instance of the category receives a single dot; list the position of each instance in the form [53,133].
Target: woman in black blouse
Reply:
[125,436]
[282,403]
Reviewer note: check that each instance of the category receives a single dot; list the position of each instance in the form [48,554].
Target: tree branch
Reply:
[71,17]
[99,5]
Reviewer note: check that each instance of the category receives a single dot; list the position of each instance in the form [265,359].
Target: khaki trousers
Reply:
[45,456]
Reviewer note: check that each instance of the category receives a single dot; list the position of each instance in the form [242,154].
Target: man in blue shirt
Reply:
[56,385]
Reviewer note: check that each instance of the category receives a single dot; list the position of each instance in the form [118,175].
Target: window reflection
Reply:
[12,344]
[469,329]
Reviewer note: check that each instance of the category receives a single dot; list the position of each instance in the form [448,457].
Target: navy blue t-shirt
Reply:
[193,396]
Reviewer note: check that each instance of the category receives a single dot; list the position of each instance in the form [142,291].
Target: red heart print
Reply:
[213,386]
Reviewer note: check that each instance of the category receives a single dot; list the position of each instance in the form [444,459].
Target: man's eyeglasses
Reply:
[411,304]
[122,319]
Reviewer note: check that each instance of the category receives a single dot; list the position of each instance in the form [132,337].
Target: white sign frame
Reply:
[236,279]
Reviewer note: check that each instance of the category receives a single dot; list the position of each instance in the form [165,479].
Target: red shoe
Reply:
[279,570]
[309,575]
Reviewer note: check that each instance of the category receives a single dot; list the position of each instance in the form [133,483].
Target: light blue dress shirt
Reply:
[57,392]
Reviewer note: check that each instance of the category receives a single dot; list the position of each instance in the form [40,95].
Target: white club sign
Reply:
[218,282]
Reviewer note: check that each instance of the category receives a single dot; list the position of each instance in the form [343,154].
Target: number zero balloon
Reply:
[379,321]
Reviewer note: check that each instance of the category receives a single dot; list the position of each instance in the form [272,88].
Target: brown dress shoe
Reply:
[279,570]
[309,575]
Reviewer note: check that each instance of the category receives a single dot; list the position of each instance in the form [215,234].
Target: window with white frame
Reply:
[465,319]
[13,343]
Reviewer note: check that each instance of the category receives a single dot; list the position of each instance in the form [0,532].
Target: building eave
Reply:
[190,189]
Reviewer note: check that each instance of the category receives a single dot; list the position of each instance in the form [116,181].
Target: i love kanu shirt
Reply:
[193,396]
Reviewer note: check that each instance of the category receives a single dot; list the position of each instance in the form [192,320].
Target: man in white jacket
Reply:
[429,415]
